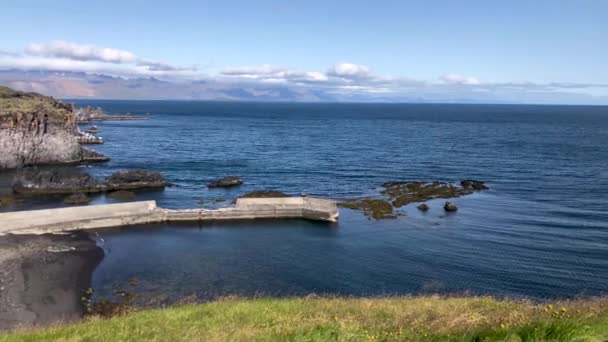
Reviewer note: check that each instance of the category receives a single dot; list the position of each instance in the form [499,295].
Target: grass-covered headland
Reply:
[346,319]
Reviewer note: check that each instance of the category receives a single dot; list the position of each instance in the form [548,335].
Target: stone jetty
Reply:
[146,212]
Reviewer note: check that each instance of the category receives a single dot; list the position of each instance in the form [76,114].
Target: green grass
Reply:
[345,319]
[13,102]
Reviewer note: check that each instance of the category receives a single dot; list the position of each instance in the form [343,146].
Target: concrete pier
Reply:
[145,212]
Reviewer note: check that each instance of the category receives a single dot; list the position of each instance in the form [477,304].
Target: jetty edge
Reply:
[146,212]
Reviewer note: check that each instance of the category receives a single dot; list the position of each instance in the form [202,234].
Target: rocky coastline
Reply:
[39,130]
[42,278]
[395,195]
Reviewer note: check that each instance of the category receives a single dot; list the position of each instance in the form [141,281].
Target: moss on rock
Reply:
[377,209]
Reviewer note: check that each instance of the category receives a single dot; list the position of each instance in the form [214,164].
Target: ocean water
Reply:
[540,232]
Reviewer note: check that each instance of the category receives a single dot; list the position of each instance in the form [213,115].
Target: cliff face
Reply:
[36,129]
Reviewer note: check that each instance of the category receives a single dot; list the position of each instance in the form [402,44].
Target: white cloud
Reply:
[68,51]
[65,64]
[270,73]
[255,71]
[459,79]
[345,78]
[349,71]
[81,52]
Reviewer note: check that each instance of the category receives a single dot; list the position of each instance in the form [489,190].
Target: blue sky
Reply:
[470,42]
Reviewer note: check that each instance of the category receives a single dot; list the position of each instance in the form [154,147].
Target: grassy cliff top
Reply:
[13,102]
[346,319]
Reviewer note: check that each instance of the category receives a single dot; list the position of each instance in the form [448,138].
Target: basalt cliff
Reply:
[38,130]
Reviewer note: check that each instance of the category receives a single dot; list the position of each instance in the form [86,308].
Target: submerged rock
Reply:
[265,194]
[374,208]
[403,193]
[6,200]
[423,207]
[122,194]
[225,182]
[77,199]
[450,207]
[398,194]
[473,184]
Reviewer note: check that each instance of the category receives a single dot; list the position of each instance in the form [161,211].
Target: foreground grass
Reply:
[346,319]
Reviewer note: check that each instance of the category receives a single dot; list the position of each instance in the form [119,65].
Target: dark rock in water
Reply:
[91,156]
[64,181]
[375,208]
[399,194]
[450,207]
[135,179]
[423,207]
[135,176]
[473,184]
[69,181]
[122,194]
[265,194]
[225,182]
[403,193]
[75,199]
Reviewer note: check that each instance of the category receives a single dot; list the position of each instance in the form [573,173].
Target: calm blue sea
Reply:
[540,232]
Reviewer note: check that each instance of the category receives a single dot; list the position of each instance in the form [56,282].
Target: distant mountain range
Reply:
[85,85]
[81,85]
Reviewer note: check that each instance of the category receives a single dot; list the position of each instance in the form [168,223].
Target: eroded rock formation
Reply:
[36,130]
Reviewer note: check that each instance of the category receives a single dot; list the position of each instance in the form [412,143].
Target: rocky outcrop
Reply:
[398,194]
[225,182]
[35,181]
[423,207]
[135,179]
[403,193]
[38,130]
[450,207]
